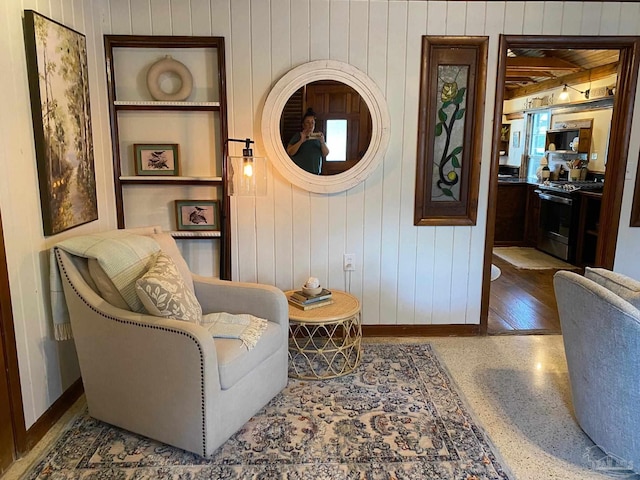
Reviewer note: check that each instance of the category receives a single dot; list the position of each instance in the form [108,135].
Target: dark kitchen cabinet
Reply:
[511,210]
[532,223]
[588,228]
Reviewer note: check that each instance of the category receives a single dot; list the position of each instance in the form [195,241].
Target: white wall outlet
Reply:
[594,156]
[349,262]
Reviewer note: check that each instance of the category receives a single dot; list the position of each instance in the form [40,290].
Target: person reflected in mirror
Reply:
[307,148]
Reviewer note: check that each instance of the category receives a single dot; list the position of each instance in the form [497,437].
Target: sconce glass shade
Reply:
[247,176]
[564,95]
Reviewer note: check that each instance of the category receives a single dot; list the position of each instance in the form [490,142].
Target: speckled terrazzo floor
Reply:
[517,388]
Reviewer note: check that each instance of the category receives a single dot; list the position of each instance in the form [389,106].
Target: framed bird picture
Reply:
[198,214]
[156,159]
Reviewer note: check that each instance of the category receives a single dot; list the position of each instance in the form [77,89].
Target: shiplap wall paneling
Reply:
[553,14]
[396,63]
[372,249]
[261,84]
[350,22]
[320,35]
[121,18]
[571,20]
[140,22]
[629,15]
[22,237]
[514,16]
[408,234]
[281,54]
[456,18]
[241,126]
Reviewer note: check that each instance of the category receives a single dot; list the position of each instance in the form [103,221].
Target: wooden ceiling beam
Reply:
[540,64]
[520,79]
[572,79]
[529,73]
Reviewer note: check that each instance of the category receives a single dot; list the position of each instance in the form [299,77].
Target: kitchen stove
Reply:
[563,186]
[559,212]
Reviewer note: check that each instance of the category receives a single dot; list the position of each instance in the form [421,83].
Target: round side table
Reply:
[325,342]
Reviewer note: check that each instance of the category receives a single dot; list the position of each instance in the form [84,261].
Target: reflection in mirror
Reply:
[341,116]
[308,73]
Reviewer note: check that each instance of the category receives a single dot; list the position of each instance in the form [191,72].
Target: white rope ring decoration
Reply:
[169,65]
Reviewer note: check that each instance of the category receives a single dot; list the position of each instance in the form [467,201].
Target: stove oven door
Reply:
[555,232]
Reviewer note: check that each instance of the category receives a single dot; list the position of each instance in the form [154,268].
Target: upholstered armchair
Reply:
[600,324]
[169,379]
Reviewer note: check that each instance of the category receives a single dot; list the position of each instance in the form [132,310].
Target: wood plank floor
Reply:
[522,302]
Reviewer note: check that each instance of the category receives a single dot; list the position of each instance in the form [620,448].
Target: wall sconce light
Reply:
[247,175]
[564,95]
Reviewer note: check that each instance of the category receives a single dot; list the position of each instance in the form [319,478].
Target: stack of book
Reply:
[303,301]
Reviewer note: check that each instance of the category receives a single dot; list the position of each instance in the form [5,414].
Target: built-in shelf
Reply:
[170,179]
[195,234]
[145,103]
[198,127]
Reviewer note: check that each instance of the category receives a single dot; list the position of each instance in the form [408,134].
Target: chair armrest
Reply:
[264,301]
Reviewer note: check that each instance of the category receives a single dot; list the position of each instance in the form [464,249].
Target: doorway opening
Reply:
[528,294]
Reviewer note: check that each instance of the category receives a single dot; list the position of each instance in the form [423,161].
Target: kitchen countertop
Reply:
[516,180]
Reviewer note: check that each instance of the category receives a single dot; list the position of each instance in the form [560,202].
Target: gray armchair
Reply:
[600,324]
[167,379]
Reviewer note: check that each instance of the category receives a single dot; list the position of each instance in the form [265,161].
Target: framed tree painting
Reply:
[451,109]
[59,87]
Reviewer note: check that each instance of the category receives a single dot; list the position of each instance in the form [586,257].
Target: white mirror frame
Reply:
[312,72]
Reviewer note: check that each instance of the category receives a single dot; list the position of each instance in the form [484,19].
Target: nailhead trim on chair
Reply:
[154,327]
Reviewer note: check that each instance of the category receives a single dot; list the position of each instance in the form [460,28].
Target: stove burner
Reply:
[565,186]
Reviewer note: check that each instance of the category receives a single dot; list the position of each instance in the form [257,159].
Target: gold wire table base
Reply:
[324,350]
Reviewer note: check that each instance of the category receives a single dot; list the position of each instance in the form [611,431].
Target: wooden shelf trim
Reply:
[167,180]
[167,106]
[196,234]
[145,103]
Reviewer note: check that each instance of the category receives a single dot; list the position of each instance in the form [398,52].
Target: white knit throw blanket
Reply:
[242,326]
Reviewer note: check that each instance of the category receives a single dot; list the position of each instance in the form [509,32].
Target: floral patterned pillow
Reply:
[164,293]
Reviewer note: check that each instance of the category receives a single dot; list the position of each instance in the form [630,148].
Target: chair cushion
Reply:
[625,287]
[164,293]
[169,246]
[235,361]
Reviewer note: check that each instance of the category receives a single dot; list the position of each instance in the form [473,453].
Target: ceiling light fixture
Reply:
[564,95]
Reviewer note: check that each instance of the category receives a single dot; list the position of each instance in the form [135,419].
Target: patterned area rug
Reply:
[397,417]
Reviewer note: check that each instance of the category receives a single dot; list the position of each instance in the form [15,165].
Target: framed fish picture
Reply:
[197,214]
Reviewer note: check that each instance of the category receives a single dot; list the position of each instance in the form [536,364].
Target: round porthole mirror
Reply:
[326,72]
